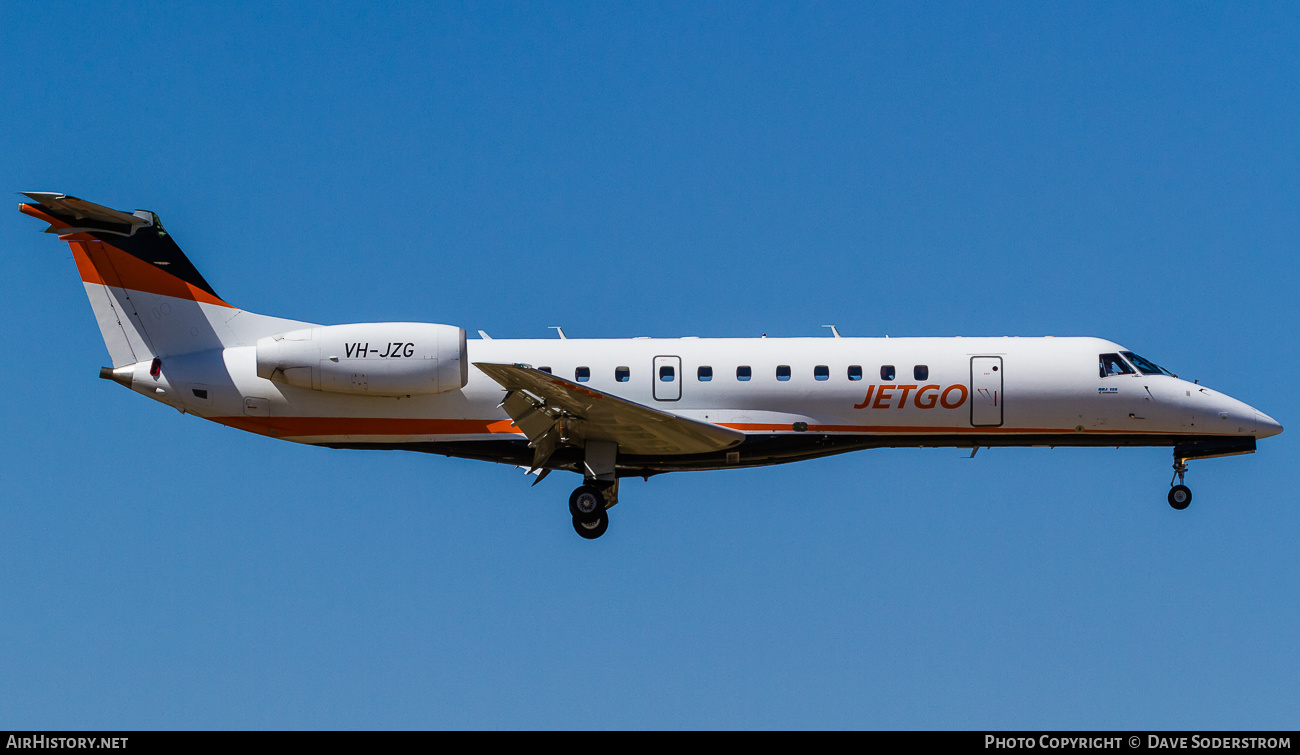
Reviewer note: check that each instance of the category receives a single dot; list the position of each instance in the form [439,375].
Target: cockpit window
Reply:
[1146,367]
[1111,364]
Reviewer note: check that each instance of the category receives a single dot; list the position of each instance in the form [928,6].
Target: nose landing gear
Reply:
[1180,496]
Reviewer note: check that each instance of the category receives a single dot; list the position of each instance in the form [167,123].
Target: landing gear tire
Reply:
[1180,497]
[587,504]
[591,529]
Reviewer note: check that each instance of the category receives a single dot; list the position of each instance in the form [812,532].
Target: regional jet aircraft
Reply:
[613,408]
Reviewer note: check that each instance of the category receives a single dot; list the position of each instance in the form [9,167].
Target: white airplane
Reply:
[613,408]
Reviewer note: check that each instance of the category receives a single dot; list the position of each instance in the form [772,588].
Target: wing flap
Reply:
[554,412]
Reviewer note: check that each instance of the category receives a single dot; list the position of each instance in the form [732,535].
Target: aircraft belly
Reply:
[757,450]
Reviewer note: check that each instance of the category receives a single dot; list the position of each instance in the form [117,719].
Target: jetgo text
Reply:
[920,396]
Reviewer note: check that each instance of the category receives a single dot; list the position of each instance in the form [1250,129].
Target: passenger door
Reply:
[986,393]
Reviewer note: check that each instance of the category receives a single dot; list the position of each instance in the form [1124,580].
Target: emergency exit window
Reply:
[667,373]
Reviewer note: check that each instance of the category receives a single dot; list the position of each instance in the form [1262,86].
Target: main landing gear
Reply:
[590,519]
[589,506]
[1180,496]
[599,489]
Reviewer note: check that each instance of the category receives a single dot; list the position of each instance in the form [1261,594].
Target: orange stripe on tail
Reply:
[101,262]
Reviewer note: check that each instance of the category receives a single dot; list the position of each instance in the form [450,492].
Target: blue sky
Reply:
[1112,169]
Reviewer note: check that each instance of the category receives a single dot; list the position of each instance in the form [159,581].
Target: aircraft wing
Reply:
[555,412]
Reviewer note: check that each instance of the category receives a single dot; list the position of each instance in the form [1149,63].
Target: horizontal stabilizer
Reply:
[81,216]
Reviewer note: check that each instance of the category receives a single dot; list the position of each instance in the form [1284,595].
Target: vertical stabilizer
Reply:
[148,298]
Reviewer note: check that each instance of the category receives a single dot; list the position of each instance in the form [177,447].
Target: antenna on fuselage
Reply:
[834,332]
[559,330]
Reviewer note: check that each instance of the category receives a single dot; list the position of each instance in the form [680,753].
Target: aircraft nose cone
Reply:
[1266,426]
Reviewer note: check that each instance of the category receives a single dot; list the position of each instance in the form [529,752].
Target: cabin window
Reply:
[705,374]
[622,374]
[887,372]
[547,370]
[821,372]
[921,372]
[743,373]
[783,372]
[667,373]
[855,372]
[582,374]
[1111,364]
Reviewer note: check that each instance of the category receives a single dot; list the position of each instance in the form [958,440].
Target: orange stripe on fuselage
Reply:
[293,427]
[296,427]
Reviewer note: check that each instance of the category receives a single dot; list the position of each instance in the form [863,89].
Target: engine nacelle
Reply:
[369,359]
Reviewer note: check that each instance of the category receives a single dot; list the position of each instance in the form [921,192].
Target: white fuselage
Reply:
[881,391]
